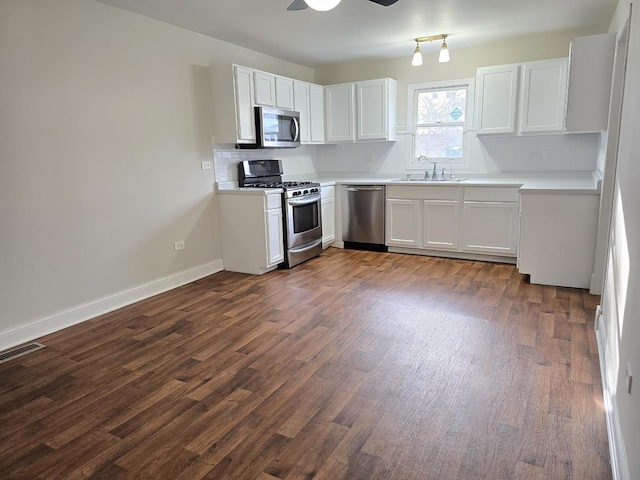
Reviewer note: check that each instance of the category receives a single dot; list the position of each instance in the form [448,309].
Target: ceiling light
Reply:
[417,54]
[322,5]
[444,51]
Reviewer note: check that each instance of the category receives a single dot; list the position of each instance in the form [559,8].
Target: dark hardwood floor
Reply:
[355,365]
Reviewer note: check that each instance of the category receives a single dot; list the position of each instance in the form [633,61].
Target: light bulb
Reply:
[322,5]
[417,56]
[444,53]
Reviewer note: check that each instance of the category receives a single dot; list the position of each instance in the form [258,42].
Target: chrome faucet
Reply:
[426,172]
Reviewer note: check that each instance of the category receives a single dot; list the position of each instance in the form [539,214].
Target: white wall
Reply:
[104,120]
[620,330]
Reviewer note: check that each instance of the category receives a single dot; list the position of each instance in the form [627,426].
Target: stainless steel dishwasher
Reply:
[363,217]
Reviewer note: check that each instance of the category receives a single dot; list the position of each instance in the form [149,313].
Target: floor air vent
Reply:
[19,351]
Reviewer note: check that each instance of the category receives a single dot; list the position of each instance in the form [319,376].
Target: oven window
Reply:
[305,217]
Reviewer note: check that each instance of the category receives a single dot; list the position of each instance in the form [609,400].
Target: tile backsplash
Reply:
[296,162]
[577,152]
[539,153]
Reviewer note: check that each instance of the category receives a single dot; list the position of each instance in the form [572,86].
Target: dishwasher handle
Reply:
[364,189]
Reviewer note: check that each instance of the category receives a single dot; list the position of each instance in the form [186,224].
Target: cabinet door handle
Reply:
[363,189]
[303,201]
[304,248]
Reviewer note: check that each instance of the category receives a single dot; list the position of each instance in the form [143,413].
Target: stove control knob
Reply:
[306,192]
[295,194]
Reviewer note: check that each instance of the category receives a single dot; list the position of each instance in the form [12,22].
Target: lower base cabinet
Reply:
[328,203]
[252,233]
[441,224]
[558,238]
[473,220]
[403,222]
[491,220]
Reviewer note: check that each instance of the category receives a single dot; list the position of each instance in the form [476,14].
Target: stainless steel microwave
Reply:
[276,128]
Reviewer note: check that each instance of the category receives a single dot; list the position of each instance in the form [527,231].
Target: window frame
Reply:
[412,90]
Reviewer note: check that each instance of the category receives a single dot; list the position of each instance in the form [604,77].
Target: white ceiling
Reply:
[358,29]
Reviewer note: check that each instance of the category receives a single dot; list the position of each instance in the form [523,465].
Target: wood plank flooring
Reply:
[354,365]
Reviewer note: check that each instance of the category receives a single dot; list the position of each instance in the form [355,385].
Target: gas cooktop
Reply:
[284,185]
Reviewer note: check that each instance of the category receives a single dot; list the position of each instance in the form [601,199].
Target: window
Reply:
[439,114]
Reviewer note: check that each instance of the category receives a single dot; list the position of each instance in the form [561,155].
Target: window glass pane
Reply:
[441,106]
[439,142]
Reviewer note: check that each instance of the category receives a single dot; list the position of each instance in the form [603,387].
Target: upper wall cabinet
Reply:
[361,111]
[232,92]
[339,109]
[590,75]
[236,90]
[521,98]
[544,94]
[273,91]
[284,93]
[308,100]
[496,99]
[548,96]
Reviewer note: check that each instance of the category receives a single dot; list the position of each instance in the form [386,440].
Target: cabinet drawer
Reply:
[274,201]
[423,192]
[328,191]
[491,194]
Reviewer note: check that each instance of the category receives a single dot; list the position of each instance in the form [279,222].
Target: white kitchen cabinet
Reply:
[544,96]
[328,203]
[284,93]
[232,91]
[491,227]
[460,220]
[236,90]
[301,104]
[252,237]
[376,109]
[558,237]
[496,99]
[340,113]
[309,101]
[491,220]
[316,113]
[590,74]
[361,111]
[403,222]
[425,217]
[440,224]
[265,88]
[275,240]
[525,98]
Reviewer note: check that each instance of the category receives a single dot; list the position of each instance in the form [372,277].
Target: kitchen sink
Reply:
[424,180]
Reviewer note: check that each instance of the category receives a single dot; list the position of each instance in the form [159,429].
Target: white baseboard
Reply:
[80,313]
[617,452]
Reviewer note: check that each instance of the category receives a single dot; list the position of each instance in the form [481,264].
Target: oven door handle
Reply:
[294,202]
[304,248]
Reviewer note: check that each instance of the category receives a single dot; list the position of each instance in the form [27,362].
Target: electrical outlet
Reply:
[178,245]
[206,165]
[629,377]
[535,155]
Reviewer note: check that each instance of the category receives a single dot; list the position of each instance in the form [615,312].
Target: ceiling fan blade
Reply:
[384,3]
[298,5]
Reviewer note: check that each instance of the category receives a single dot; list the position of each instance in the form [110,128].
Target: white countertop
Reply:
[559,185]
[582,184]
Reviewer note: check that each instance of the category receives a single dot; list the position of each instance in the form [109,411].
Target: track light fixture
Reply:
[444,51]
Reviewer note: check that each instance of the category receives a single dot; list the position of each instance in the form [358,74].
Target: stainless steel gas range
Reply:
[301,208]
